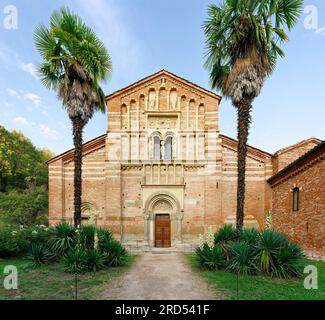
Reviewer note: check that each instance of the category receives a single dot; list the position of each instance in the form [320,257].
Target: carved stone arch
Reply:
[170,134]
[150,211]
[152,139]
[89,213]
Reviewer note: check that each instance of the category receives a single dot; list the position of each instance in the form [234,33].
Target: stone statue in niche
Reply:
[173,100]
[152,99]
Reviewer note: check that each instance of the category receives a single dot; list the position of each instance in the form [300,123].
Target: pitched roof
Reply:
[305,160]
[163,72]
[258,153]
[87,147]
[298,144]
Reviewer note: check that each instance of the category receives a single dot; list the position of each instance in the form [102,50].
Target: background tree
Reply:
[22,165]
[243,41]
[75,61]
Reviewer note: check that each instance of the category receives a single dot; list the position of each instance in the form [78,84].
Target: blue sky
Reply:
[144,36]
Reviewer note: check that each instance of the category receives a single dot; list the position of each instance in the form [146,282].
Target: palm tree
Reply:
[74,63]
[243,39]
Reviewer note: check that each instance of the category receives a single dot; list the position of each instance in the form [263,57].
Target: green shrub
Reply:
[103,236]
[95,260]
[249,235]
[24,208]
[63,238]
[210,258]
[36,234]
[115,253]
[75,261]
[268,247]
[87,237]
[39,254]
[12,243]
[289,261]
[226,234]
[242,260]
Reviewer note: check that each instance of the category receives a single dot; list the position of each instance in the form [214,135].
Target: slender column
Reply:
[167,173]
[174,174]
[151,173]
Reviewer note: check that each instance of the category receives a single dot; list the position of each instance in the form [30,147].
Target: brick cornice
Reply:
[310,158]
[87,148]
[255,153]
[147,81]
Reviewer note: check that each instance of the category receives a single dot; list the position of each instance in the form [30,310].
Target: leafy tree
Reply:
[243,41]
[22,165]
[24,208]
[75,61]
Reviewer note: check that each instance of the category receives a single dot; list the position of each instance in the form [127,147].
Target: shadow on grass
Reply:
[261,287]
[51,282]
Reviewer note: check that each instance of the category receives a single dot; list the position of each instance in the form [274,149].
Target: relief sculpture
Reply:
[162,122]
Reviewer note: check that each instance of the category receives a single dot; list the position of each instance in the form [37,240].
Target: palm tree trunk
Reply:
[243,122]
[78,125]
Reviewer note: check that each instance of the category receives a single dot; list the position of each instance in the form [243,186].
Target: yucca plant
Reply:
[75,261]
[95,260]
[226,233]
[224,238]
[103,235]
[288,261]
[249,235]
[63,238]
[87,237]
[39,254]
[210,258]
[242,259]
[115,253]
[268,246]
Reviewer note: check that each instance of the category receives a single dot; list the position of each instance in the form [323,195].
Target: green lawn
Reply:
[51,282]
[260,287]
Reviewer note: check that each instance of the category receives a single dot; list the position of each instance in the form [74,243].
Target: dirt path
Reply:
[163,276]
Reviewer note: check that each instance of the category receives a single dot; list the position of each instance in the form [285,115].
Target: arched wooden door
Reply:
[162,231]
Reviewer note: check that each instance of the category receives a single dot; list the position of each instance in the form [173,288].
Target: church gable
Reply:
[162,101]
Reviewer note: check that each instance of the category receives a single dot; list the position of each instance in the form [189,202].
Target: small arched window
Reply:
[295,193]
[168,148]
[156,148]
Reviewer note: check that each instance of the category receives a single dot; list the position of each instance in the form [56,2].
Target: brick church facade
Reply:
[163,173]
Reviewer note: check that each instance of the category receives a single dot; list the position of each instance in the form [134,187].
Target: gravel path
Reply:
[159,276]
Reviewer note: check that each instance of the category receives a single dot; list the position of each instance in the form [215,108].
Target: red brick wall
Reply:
[287,156]
[305,226]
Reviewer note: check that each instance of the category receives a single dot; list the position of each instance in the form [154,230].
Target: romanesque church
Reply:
[163,173]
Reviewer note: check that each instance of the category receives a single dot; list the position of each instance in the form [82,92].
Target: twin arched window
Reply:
[162,148]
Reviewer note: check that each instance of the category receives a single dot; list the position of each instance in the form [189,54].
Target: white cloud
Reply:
[29,68]
[36,99]
[49,133]
[12,92]
[20,121]
[108,20]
